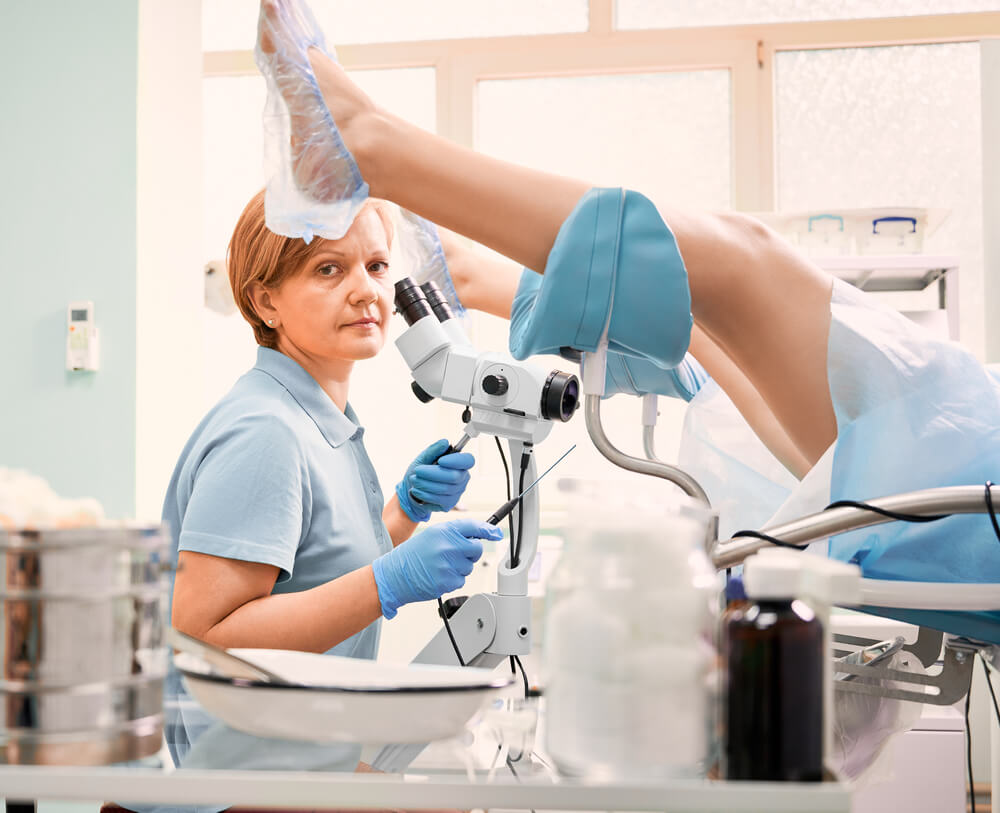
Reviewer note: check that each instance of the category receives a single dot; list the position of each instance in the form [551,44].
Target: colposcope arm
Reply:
[683,480]
[649,416]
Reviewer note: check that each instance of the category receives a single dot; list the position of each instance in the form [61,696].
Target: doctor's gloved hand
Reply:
[434,481]
[430,563]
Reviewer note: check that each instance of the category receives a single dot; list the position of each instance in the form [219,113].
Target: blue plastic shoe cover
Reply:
[314,186]
[423,256]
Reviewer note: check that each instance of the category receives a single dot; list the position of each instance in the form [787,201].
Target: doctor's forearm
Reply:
[397,523]
[310,621]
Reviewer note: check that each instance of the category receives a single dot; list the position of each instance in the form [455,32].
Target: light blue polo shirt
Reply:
[275,473]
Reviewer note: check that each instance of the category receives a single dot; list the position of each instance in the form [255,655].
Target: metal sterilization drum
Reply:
[82,655]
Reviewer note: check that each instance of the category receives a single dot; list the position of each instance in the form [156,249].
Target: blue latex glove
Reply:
[432,482]
[430,563]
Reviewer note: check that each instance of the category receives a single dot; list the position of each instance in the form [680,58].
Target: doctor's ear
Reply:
[262,304]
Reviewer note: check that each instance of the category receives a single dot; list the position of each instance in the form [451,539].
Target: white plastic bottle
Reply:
[628,649]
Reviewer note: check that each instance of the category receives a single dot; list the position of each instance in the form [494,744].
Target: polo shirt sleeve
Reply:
[250,495]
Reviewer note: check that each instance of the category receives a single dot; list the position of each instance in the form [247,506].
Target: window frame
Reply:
[747,51]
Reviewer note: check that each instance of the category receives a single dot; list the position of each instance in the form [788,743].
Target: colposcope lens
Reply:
[411,301]
[560,396]
[436,299]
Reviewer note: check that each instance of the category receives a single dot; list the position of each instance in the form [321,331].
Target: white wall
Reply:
[68,231]
[102,171]
[169,273]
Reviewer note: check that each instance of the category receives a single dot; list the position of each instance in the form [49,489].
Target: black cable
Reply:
[510,764]
[993,514]
[524,676]
[886,513]
[516,560]
[773,540]
[986,671]
[882,512]
[507,482]
[451,635]
[506,468]
[968,742]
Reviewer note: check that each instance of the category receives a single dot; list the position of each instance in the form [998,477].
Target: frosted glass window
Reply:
[638,14]
[233,173]
[896,126]
[233,108]
[232,24]
[664,134]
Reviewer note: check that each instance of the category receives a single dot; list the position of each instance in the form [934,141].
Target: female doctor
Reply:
[278,521]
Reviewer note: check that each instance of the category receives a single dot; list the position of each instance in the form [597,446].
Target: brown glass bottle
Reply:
[773,693]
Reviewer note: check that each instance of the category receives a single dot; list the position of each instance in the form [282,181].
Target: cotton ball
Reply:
[27,501]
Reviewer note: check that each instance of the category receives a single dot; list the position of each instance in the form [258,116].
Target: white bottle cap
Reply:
[780,573]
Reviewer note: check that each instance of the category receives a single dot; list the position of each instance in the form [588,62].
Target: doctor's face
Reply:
[336,307]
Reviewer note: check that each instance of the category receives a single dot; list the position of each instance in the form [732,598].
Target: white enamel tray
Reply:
[342,699]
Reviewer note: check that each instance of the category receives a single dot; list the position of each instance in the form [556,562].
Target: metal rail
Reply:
[802,531]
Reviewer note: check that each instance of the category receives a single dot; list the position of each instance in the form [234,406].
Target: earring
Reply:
[270,322]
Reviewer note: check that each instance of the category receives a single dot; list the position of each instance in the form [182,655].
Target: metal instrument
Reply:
[82,660]
[511,504]
[223,660]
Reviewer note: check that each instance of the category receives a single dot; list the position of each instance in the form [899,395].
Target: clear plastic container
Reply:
[825,235]
[628,658]
[892,233]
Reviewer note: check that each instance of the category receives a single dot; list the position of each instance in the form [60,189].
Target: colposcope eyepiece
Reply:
[411,301]
[560,396]
[436,299]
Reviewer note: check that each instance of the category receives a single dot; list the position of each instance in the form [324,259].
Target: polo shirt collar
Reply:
[336,426]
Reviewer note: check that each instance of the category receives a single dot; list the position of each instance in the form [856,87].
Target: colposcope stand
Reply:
[491,627]
[504,398]
[488,627]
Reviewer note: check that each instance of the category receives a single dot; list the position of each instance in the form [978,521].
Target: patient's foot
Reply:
[289,44]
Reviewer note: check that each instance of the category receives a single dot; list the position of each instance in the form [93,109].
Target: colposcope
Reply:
[506,398]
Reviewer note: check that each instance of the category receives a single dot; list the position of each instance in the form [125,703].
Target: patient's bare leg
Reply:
[488,283]
[766,307]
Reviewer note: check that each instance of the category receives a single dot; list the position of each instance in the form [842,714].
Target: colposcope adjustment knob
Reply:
[422,395]
[495,385]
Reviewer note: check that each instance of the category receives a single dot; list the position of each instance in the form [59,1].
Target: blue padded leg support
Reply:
[626,374]
[614,264]
[636,376]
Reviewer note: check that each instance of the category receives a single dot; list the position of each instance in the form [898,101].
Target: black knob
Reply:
[450,606]
[421,393]
[495,385]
